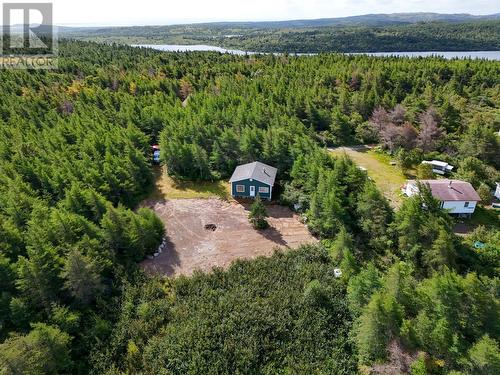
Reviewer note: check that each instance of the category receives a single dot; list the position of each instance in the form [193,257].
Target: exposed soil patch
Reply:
[193,244]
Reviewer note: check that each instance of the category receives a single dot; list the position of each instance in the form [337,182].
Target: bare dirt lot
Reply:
[191,247]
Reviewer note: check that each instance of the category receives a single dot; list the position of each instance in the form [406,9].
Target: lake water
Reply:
[489,55]
[190,48]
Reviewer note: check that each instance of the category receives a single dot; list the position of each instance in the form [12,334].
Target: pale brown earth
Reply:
[191,247]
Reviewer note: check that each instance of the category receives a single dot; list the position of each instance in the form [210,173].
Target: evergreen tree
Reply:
[374,215]
[38,277]
[442,253]
[45,350]
[342,244]
[258,214]
[82,277]
[484,357]
[425,172]
[480,141]
[361,287]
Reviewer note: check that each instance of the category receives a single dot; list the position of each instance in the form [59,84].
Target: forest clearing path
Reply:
[388,178]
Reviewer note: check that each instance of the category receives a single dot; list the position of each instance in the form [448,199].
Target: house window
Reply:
[264,190]
[240,188]
[466,205]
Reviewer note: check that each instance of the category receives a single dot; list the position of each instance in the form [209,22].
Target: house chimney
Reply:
[449,185]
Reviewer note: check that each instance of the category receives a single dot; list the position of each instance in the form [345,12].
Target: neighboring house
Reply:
[250,180]
[458,197]
[439,167]
[497,191]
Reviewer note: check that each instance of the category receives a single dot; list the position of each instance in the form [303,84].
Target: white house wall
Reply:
[453,207]
[459,207]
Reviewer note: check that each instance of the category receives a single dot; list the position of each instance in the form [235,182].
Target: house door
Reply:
[252,191]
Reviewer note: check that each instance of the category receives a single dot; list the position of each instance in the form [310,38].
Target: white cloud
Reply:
[137,12]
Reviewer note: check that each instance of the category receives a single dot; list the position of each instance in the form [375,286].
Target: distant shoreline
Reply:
[489,55]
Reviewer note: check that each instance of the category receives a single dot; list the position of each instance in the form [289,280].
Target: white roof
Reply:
[440,163]
[436,162]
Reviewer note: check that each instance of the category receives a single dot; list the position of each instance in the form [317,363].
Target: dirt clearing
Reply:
[191,246]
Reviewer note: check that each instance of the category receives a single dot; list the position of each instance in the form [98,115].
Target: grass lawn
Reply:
[167,187]
[388,178]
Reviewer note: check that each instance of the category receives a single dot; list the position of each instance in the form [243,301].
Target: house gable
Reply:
[247,184]
[252,179]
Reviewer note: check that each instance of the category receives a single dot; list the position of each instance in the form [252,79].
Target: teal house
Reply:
[250,180]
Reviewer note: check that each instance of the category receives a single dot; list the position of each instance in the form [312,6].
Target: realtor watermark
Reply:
[28,37]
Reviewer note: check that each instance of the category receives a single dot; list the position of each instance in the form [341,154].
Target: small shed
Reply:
[497,191]
[439,167]
[250,180]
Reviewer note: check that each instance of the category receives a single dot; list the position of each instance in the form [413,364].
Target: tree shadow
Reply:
[166,263]
[274,210]
[216,188]
[280,212]
[166,186]
[274,235]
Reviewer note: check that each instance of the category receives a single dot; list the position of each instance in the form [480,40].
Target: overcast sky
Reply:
[161,12]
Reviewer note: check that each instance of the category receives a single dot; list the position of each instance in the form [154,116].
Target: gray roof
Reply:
[256,171]
[451,190]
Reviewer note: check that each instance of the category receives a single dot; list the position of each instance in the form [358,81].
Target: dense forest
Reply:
[434,36]
[293,38]
[75,164]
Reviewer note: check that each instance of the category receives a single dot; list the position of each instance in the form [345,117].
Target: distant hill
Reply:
[19,29]
[362,20]
[367,33]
